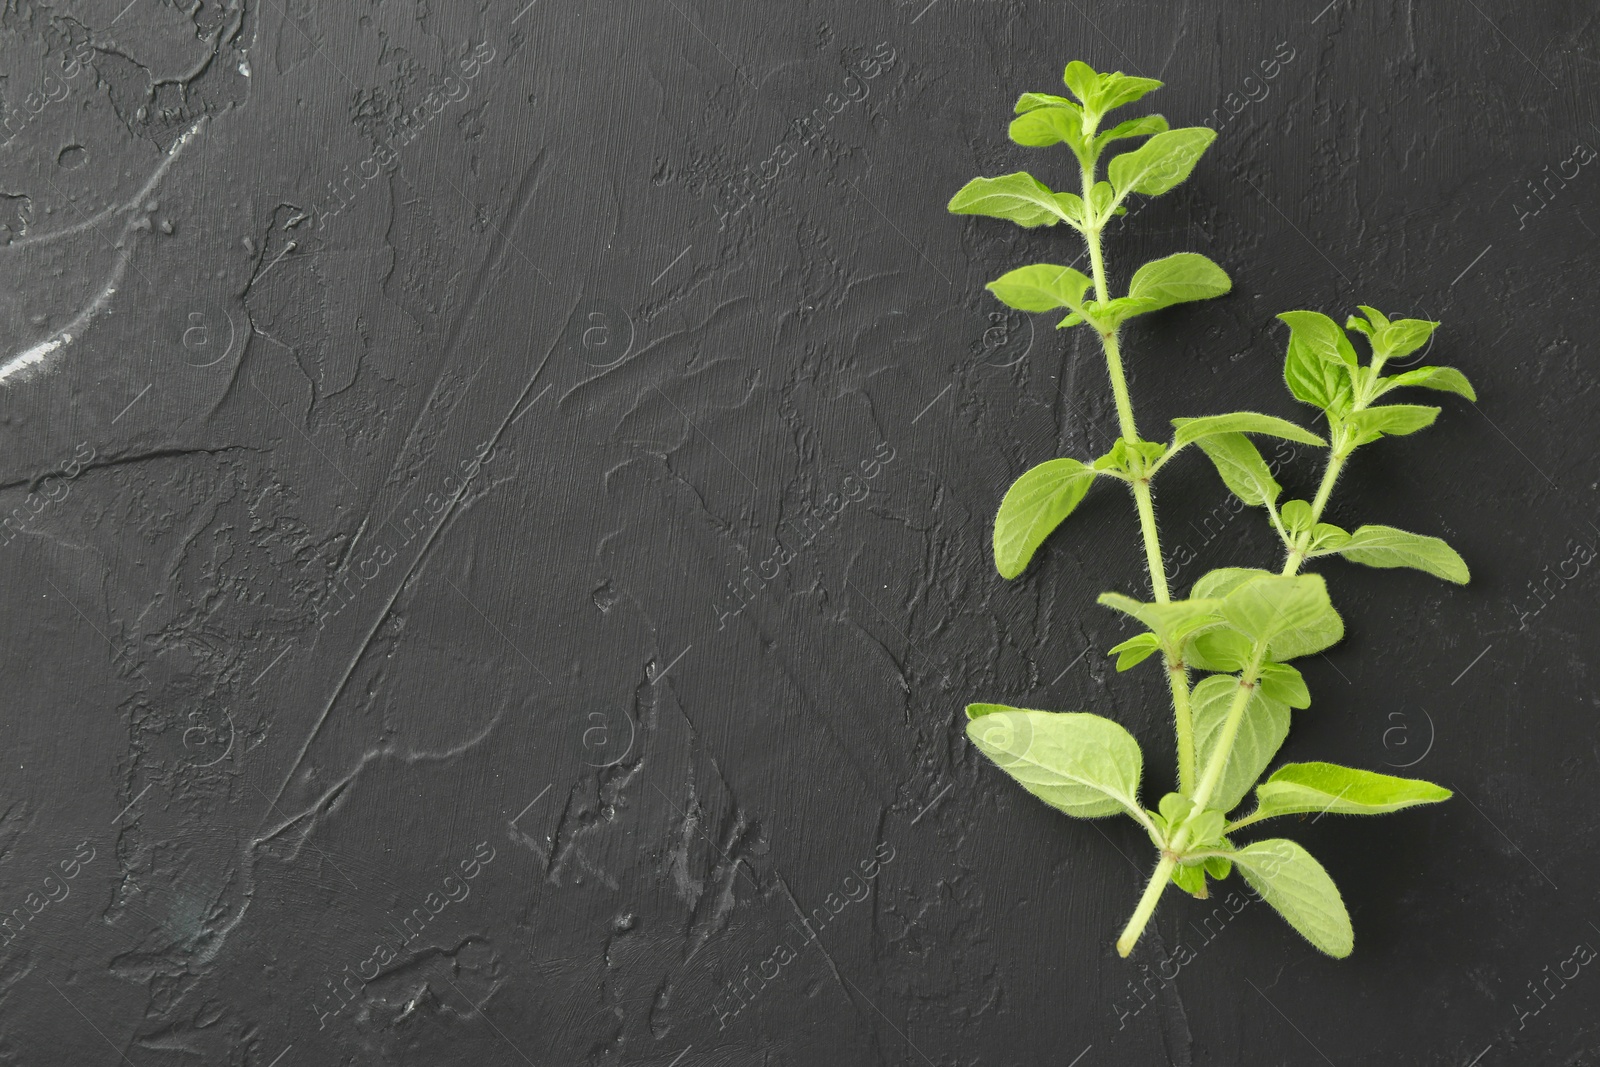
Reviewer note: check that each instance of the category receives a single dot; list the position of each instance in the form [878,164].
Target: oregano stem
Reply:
[1177,673]
[1147,904]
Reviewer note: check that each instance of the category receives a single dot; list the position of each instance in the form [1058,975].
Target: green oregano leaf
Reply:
[1135,650]
[1019,197]
[1191,430]
[1320,362]
[1175,279]
[1040,287]
[1219,649]
[1292,615]
[1261,732]
[1288,878]
[1171,622]
[1033,101]
[1402,337]
[1046,126]
[1243,470]
[1161,162]
[1191,880]
[1296,516]
[1300,788]
[1394,420]
[1084,765]
[1446,379]
[1224,580]
[1279,681]
[1033,507]
[1384,546]
[1140,127]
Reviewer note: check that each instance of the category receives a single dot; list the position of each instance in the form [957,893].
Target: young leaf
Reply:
[1395,420]
[1082,764]
[1033,507]
[1191,880]
[1376,318]
[1319,362]
[1161,162]
[1261,732]
[1135,650]
[1326,537]
[1384,546]
[1218,867]
[1020,197]
[1140,127]
[1445,379]
[1191,430]
[1118,90]
[1046,126]
[1402,337]
[1295,515]
[1321,337]
[1172,621]
[1033,101]
[1279,681]
[1041,287]
[1242,469]
[1175,279]
[1286,876]
[1297,788]
[1082,80]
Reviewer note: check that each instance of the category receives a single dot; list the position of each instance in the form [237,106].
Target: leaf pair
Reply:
[1161,283]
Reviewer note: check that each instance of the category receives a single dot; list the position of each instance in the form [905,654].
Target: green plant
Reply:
[1239,627]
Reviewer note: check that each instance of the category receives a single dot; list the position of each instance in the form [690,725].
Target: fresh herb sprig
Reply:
[1239,627]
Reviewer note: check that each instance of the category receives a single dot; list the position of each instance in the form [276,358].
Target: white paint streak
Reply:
[34,356]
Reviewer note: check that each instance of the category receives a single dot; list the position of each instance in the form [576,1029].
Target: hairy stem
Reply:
[1177,674]
[1338,454]
[1147,904]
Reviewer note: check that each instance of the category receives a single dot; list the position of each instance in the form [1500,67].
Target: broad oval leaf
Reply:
[1033,507]
[1041,287]
[1279,681]
[1385,546]
[1291,614]
[1192,430]
[1394,420]
[1081,764]
[1224,580]
[1161,162]
[1295,516]
[1046,126]
[1298,788]
[1445,379]
[1287,877]
[1020,197]
[1177,279]
[1262,730]
[1241,467]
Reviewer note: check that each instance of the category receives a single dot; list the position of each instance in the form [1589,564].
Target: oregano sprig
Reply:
[1238,628]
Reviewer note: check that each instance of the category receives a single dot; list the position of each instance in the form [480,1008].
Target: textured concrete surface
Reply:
[498,510]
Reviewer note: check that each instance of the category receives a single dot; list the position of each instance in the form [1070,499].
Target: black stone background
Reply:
[269,684]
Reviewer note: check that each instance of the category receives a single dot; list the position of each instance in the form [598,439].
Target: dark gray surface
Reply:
[273,677]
